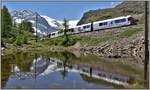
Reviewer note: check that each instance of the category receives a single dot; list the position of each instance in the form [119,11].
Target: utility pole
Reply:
[35,73]
[91,25]
[21,23]
[146,63]
[4,30]
[36,27]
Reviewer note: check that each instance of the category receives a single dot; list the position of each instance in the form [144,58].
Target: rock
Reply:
[122,48]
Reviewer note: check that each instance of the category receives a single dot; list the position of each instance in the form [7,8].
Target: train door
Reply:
[111,24]
[80,29]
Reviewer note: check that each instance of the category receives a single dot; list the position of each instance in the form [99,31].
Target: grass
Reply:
[137,85]
[87,40]
[130,32]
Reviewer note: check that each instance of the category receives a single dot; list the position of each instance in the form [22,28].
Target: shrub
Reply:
[25,40]
[21,39]
[18,40]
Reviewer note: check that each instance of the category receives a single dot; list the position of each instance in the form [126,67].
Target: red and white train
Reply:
[99,25]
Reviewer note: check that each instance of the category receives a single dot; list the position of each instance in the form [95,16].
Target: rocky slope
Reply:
[125,8]
[125,42]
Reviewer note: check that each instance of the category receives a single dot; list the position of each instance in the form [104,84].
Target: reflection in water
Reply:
[60,72]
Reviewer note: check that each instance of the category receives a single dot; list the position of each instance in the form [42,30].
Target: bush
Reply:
[67,41]
[25,40]
[62,41]
[21,39]
[18,40]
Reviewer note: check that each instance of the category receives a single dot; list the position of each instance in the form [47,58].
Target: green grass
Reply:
[88,40]
[130,32]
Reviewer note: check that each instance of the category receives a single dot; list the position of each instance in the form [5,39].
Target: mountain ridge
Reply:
[122,9]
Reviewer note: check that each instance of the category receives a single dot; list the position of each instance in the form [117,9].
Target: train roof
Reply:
[113,19]
[84,24]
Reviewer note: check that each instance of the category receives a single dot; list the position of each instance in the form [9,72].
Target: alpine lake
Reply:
[68,70]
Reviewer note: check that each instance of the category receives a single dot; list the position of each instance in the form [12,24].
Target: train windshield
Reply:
[88,26]
[120,20]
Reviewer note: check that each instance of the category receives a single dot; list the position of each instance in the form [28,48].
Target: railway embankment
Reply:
[120,42]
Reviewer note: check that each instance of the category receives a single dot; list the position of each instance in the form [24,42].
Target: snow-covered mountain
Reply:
[59,24]
[53,22]
[43,26]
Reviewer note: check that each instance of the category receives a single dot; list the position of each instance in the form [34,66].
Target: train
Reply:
[98,25]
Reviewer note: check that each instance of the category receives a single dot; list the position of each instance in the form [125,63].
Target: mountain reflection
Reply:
[57,70]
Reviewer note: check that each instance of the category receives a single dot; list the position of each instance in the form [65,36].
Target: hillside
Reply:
[125,8]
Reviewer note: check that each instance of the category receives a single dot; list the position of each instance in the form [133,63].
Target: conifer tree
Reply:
[65,24]
[6,22]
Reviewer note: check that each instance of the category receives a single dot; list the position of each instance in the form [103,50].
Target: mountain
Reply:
[125,8]
[59,24]
[53,22]
[43,26]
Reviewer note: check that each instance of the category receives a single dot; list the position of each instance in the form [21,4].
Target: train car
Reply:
[54,34]
[70,31]
[82,28]
[115,22]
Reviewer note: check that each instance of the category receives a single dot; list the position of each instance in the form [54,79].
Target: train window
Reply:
[117,21]
[123,20]
[100,24]
[70,30]
[53,34]
[59,32]
[86,26]
[120,20]
[79,28]
[105,23]
[99,74]
[111,22]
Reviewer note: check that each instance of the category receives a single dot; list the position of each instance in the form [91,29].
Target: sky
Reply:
[60,10]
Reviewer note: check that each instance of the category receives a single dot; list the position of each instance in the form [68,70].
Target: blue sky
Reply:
[60,10]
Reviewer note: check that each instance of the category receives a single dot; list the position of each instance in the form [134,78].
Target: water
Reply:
[65,70]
